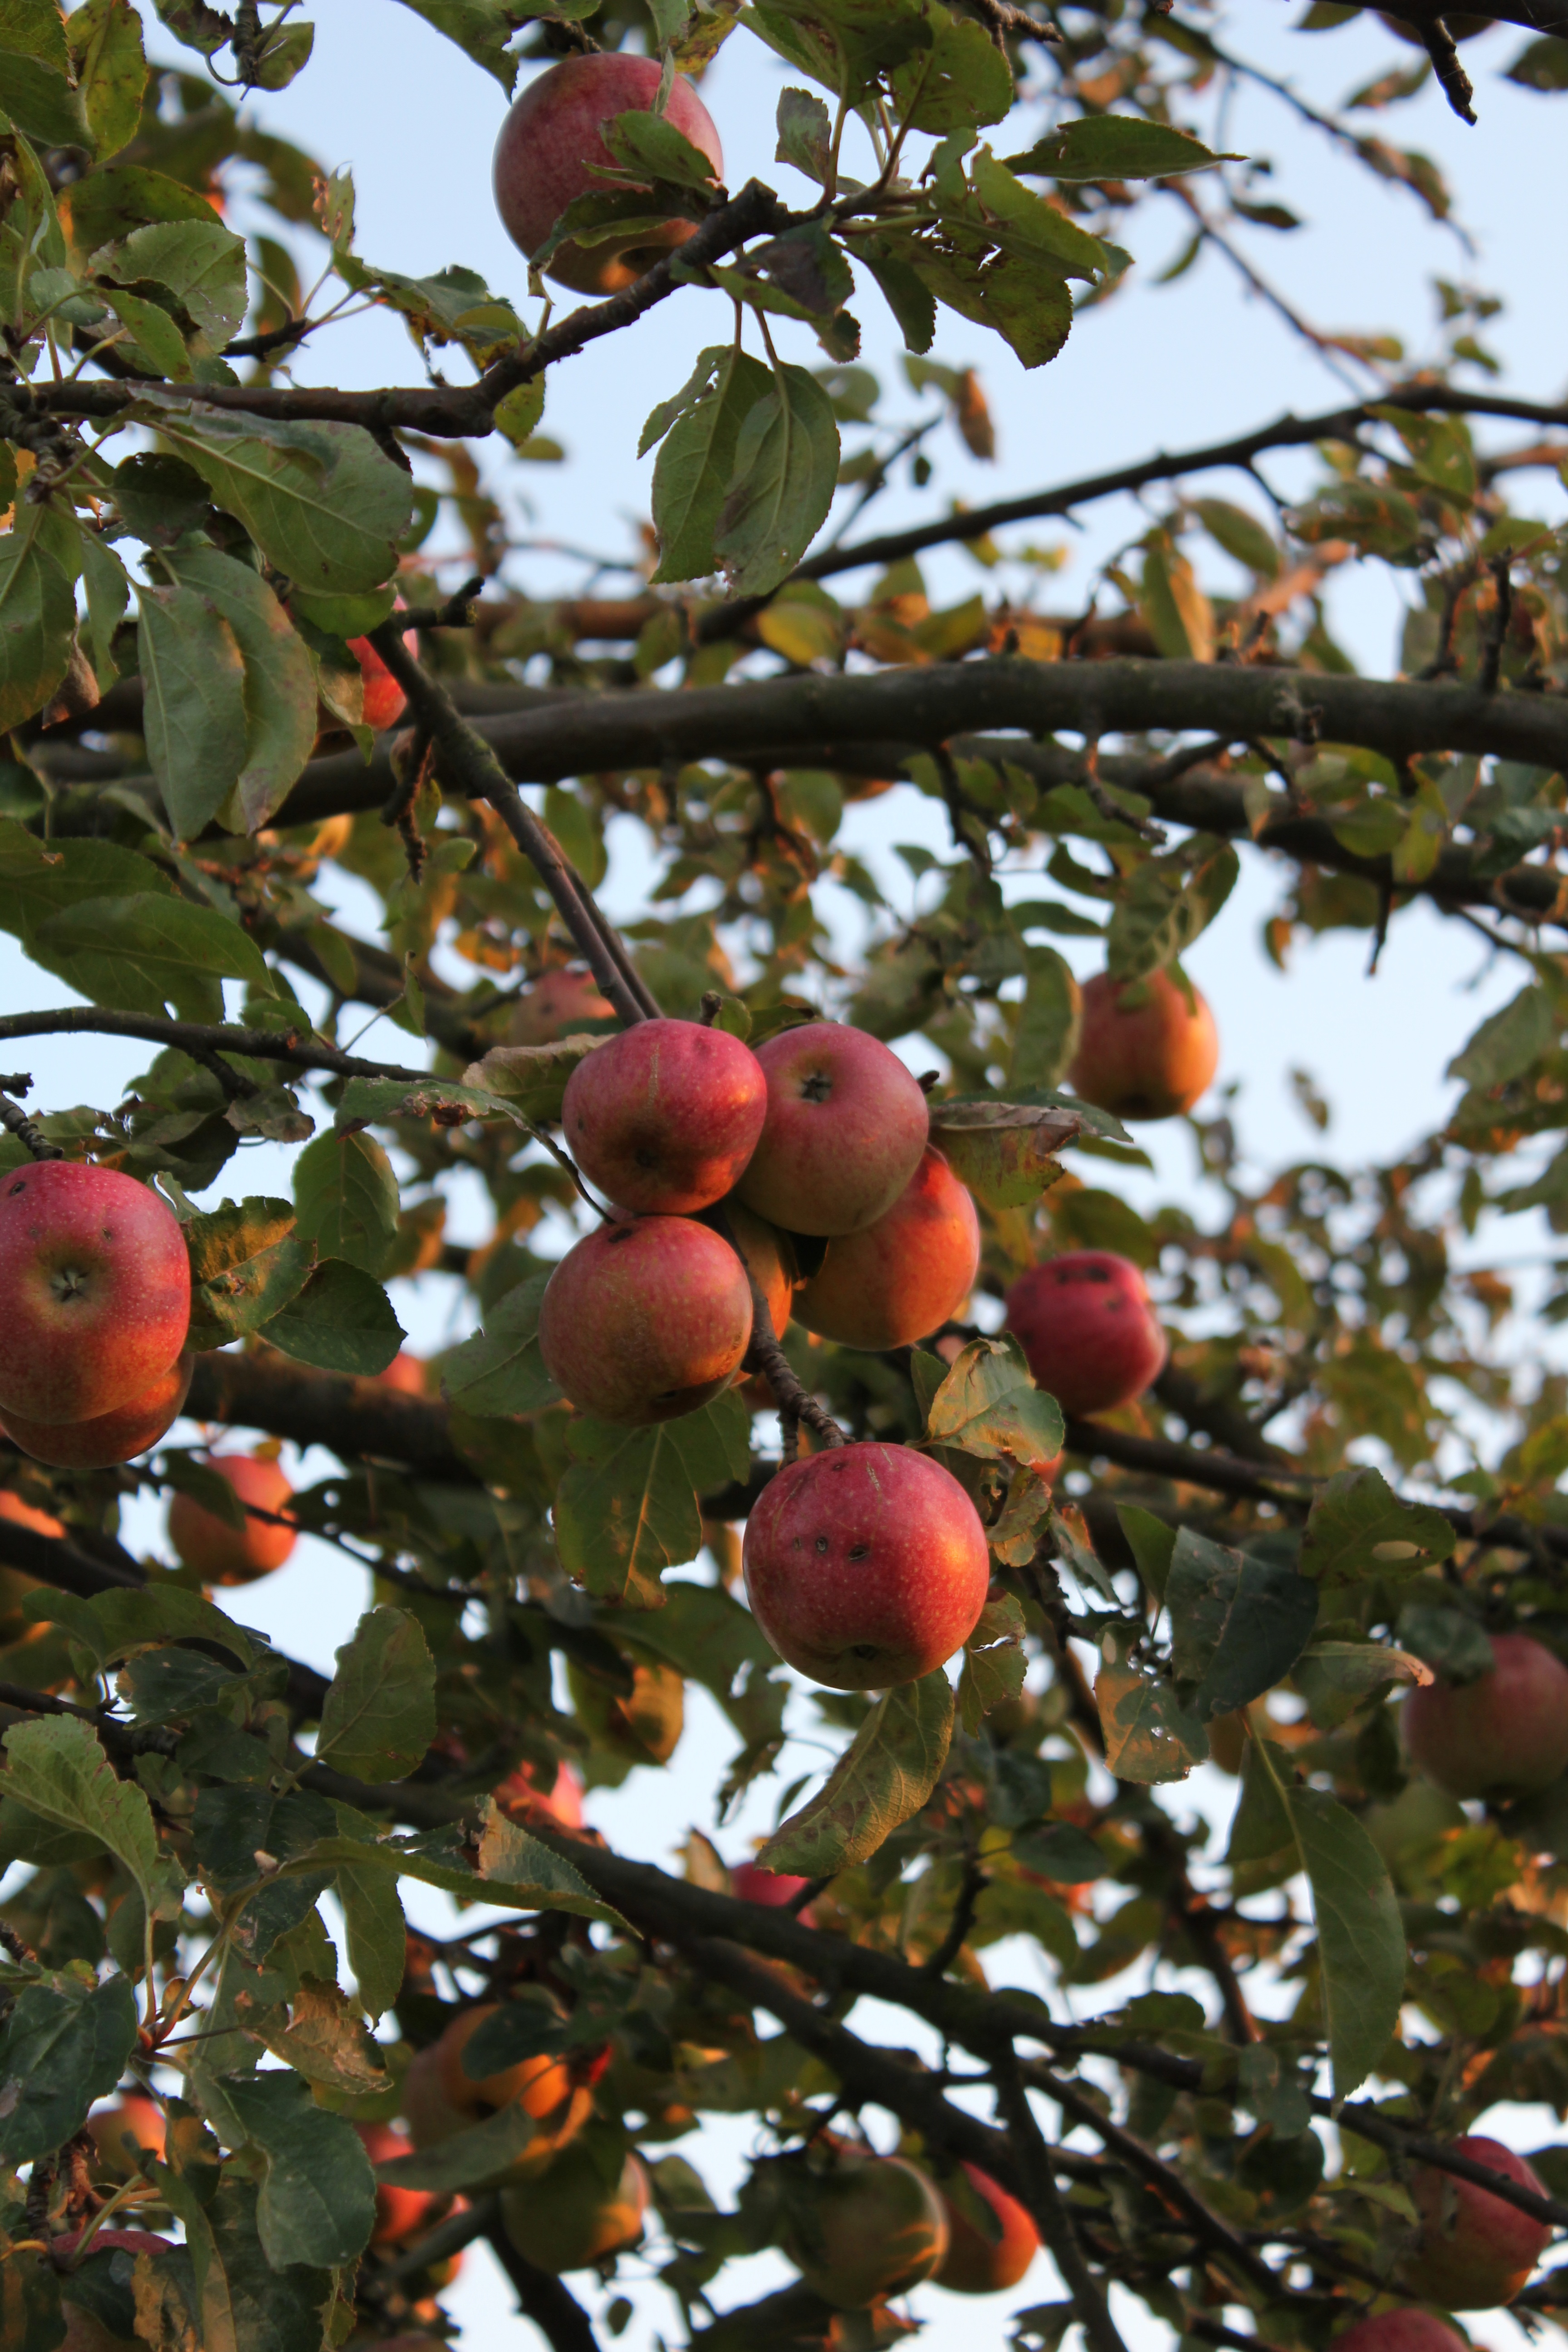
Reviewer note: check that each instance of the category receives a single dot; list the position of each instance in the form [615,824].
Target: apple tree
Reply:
[1047,1504]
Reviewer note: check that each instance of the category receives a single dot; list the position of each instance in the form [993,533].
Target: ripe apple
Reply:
[111,1437]
[769,1255]
[522,1796]
[550,143]
[400,2213]
[844,1130]
[646,1319]
[664,1116]
[873,2228]
[976,2263]
[892,1282]
[1474,2252]
[569,2218]
[384,698]
[440,2099]
[131,2122]
[556,1006]
[1143,1051]
[223,1555]
[866,1565]
[405,1373]
[644,1725]
[1088,1329]
[1500,1737]
[752,1882]
[95,1290]
[1399,2331]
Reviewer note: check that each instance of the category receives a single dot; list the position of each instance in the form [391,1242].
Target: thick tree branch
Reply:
[1051,2217]
[359,1419]
[200,1039]
[544,2299]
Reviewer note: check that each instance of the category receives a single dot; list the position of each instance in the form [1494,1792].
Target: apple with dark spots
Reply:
[664,1118]
[646,1319]
[846,1127]
[1088,1329]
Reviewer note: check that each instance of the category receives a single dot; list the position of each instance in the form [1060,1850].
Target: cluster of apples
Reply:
[95,1304]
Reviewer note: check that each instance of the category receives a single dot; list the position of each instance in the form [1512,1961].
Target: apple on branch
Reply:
[1088,1329]
[95,1290]
[646,1319]
[1144,1052]
[664,1118]
[845,1128]
[221,1554]
[896,1280]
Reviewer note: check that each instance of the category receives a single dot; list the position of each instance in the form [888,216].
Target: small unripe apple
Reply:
[865,1566]
[95,1290]
[1088,1329]
[845,1129]
[768,1254]
[875,2230]
[1500,1737]
[898,1279]
[405,1373]
[522,1796]
[220,1554]
[664,1118]
[550,143]
[1474,2252]
[1399,2331]
[111,1437]
[400,2213]
[976,2263]
[568,2218]
[384,698]
[751,1883]
[131,2123]
[559,1004]
[646,1319]
[1143,1051]
[644,1725]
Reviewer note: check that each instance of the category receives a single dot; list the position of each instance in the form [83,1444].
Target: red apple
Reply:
[1474,2252]
[751,1881]
[95,1290]
[875,2229]
[845,1128]
[558,1004]
[976,2263]
[568,2218]
[405,1373]
[111,1437]
[1399,2331]
[400,2213]
[664,1116]
[1500,1737]
[384,698]
[131,2122]
[550,143]
[522,1796]
[766,1252]
[891,1283]
[1143,1051]
[865,1566]
[646,1319]
[223,1555]
[1088,1329]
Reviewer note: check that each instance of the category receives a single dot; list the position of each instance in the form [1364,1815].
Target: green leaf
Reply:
[1062,1852]
[61,2050]
[781,484]
[806,134]
[199,262]
[36,77]
[1045,1037]
[278,683]
[1507,1043]
[1240,534]
[532,1078]
[346,1197]
[880,1781]
[625,1509]
[695,463]
[1335,1678]
[905,291]
[112,1625]
[1116,147]
[994,1663]
[37,618]
[499,1370]
[481,29]
[108,586]
[477,2158]
[31,2316]
[320,501]
[1149,1735]
[1358,1527]
[373,1918]
[1237,1624]
[989,1405]
[317,2203]
[379,1717]
[105,41]
[38,880]
[961,80]
[1152,1544]
[1448,1639]
[1167,907]
[1360,1940]
[340,1321]
[515,1871]
[651,146]
[194,675]
[325,2041]
[705,1634]
[246,1264]
[161,950]
[1260,1827]
[1004,1152]
[55,1767]
[244,2303]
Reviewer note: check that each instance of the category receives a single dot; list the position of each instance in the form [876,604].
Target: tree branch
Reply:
[1050,2215]
[548,2301]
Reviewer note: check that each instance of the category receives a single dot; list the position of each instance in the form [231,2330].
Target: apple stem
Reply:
[795,1401]
[15,1121]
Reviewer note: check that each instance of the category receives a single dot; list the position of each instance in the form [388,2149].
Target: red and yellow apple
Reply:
[876,2229]
[400,2213]
[896,1280]
[1088,1329]
[405,1373]
[440,2098]
[646,1319]
[522,1796]
[133,2122]
[220,1554]
[749,1882]
[1144,1052]
[976,2263]
[556,1006]
[111,1437]
[569,2217]
[95,1290]
[384,698]
[846,1127]
[664,1118]
[1475,2250]
[1503,1736]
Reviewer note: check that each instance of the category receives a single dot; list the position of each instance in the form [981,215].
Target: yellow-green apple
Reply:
[645,1724]
[550,143]
[845,1129]
[1399,2331]
[894,1281]
[1089,1328]
[873,2228]
[646,1319]
[400,2213]
[220,1554]
[664,1116]
[111,1437]
[556,1006]
[570,2217]
[1475,2250]
[983,2261]
[1144,1052]
[95,1290]
[865,1565]
[1502,1736]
